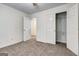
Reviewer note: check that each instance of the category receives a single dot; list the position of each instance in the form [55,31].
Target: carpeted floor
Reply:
[34,48]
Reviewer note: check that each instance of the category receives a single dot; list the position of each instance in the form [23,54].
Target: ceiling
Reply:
[30,9]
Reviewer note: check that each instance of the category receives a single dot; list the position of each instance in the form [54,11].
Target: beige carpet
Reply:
[34,48]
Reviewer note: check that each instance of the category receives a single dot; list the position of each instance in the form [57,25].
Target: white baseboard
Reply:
[8,43]
[51,42]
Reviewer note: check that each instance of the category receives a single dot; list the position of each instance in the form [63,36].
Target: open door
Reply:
[72,28]
[27,28]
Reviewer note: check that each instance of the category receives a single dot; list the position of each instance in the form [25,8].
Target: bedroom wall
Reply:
[11,24]
[72,28]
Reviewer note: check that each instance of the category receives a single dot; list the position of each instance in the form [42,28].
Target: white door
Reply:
[72,28]
[27,28]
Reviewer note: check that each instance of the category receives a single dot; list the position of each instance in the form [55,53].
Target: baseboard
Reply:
[5,44]
[61,41]
[72,51]
[45,41]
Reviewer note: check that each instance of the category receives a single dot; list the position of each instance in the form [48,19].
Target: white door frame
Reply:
[56,26]
[55,23]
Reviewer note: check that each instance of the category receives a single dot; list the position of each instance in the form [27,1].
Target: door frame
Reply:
[56,26]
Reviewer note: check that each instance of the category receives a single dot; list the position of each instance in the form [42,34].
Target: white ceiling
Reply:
[29,8]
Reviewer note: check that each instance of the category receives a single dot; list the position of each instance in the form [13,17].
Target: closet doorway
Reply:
[61,19]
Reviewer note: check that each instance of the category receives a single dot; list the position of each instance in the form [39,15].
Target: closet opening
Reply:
[61,21]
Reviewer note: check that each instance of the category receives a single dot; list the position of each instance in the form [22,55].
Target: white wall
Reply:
[72,28]
[44,22]
[11,30]
[46,25]
[78,29]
